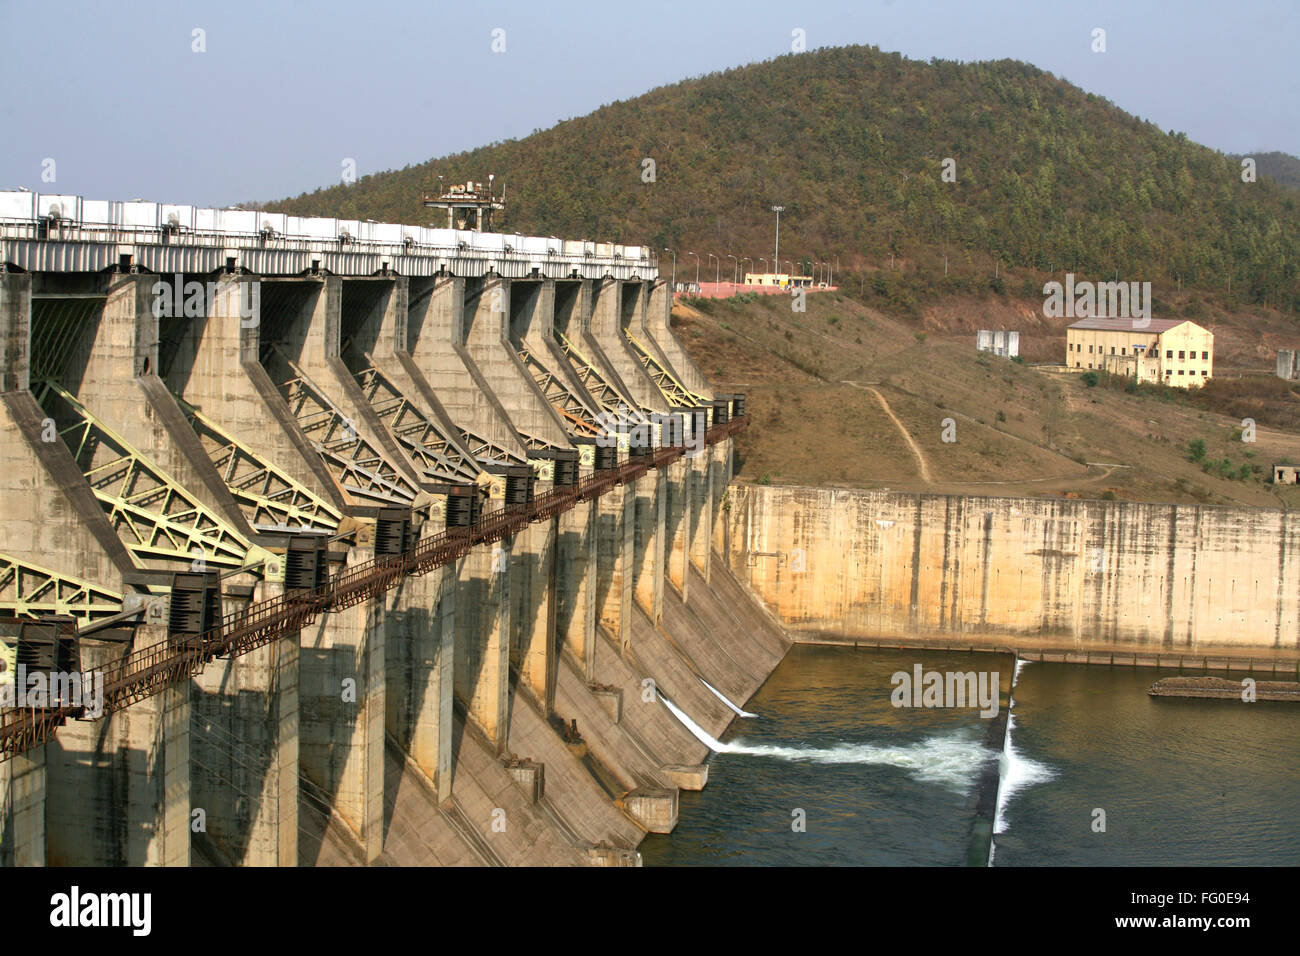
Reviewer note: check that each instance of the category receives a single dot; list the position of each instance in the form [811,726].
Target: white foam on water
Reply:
[1016,772]
[718,694]
[1020,665]
[951,760]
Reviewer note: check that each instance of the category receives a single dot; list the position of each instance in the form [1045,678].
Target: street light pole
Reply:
[666,249]
[776,255]
[764,261]
[717,268]
[736,265]
[697,270]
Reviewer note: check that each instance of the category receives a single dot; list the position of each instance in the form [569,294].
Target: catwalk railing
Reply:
[147,671]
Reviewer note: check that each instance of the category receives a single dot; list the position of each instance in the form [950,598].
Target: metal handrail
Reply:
[107,233]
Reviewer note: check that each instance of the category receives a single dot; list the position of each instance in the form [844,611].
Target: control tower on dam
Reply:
[329,542]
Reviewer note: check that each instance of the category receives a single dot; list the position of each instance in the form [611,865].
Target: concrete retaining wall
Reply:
[1034,572]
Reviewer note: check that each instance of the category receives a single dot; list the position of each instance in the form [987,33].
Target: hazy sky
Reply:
[115,94]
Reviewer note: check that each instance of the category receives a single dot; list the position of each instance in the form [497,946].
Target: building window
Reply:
[1181,356]
[1181,372]
[1203,372]
[1089,352]
[1112,350]
[1122,351]
[1169,353]
[1078,365]
[1206,356]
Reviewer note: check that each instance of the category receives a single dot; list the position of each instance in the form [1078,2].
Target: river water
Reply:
[830,773]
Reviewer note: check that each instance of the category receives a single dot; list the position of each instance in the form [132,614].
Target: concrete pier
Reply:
[615,556]
[420,641]
[244,750]
[22,810]
[118,790]
[483,640]
[649,548]
[576,574]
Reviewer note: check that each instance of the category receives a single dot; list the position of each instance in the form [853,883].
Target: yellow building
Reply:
[1173,351]
[781,279]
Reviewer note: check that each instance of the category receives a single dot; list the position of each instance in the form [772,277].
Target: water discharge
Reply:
[950,760]
[1163,765]
[1016,771]
[718,694]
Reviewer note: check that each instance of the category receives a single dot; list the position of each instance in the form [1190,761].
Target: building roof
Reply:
[1150,326]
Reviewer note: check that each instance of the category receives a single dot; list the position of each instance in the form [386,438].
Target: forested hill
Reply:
[852,141]
[1283,167]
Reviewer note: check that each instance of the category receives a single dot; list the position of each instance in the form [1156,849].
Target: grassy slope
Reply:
[815,423]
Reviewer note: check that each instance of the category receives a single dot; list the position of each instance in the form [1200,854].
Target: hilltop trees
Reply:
[852,142]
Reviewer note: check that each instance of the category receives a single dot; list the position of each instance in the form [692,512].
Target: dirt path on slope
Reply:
[916,449]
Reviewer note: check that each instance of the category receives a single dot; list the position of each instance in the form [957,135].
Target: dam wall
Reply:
[1021,572]
[339,542]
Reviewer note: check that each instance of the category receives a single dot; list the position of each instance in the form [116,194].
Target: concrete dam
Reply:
[1090,580]
[348,543]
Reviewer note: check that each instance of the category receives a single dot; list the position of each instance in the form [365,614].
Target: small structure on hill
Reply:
[781,279]
[1286,474]
[1005,344]
[1288,364]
